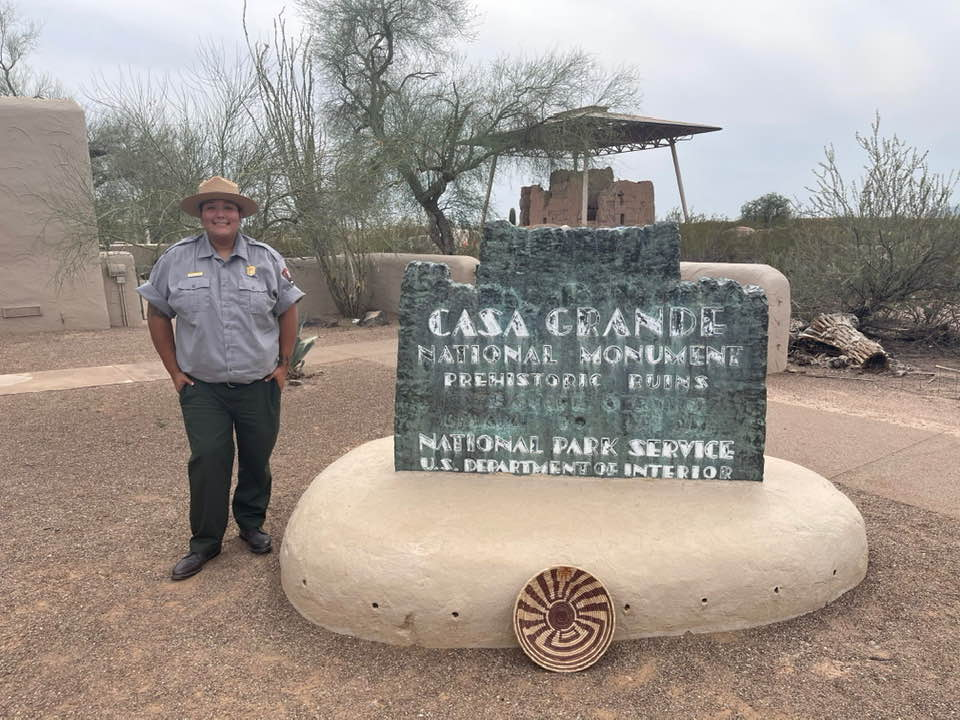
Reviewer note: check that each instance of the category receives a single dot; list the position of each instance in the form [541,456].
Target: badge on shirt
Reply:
[251,270]
[197,273]
[286,274]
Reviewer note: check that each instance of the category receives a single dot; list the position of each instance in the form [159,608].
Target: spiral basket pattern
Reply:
[564,619]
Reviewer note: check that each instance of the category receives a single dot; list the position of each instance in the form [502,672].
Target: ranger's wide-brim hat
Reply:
[218,188]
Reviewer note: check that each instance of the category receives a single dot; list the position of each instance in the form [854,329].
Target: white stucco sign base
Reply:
[437,559]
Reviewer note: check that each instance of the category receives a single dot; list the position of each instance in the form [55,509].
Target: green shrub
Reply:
[767,210]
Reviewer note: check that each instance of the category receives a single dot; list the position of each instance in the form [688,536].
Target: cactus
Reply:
[300,351]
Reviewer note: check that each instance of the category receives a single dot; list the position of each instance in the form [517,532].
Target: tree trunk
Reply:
[441,231]
[838,331]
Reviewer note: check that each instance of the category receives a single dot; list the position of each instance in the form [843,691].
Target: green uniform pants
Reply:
[212,413]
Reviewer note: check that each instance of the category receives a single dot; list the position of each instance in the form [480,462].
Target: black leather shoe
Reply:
[190,564]
[257,539]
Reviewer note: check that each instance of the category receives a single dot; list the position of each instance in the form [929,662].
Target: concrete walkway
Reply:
[909,465]
[81,377]
[915,466]
[382,352]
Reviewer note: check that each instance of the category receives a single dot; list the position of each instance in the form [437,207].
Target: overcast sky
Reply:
[781,79]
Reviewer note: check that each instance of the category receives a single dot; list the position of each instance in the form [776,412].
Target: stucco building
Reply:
[48,228]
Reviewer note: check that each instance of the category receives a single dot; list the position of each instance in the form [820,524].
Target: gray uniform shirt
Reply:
[226,310]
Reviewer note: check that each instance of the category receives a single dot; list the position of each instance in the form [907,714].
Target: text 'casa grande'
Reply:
[583,321]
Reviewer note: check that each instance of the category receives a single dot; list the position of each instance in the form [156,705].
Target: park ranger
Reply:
[235,305]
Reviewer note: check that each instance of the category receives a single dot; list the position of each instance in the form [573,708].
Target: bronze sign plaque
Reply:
[580,352]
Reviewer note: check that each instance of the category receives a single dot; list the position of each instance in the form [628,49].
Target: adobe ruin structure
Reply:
[610,203]
[584,133]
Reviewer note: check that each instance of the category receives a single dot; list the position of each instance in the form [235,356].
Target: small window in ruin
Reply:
[621,219]
[591,213]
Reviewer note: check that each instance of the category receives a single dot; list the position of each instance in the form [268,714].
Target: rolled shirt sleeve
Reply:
[156,290]
[287,292]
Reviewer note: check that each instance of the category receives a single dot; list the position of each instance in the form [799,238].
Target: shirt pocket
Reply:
[191,296]
[256,296]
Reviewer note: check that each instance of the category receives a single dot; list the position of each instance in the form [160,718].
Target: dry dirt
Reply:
[56,351]
[94,515]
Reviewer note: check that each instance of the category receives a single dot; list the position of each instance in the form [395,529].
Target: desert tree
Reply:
[767,210]
[884,246]
[429,118]
[335,194]
[152,140]
[18,38]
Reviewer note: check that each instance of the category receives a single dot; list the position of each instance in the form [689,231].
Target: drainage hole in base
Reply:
[777,589]
[626,608]
[703,600]
[304,581]
[376,605]
[455,613]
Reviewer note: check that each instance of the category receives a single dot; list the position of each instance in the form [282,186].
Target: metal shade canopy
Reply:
[592,131]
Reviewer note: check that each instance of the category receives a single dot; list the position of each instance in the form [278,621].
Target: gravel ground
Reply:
[94,500]
[57,351]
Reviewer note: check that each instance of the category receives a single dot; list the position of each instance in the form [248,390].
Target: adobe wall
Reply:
[777,289]
[383,283]
[144,255]
[610,203]
[44,204]
[307,275]
[119,274]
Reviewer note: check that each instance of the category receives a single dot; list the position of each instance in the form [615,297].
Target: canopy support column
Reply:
[676,168]
[584,192]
